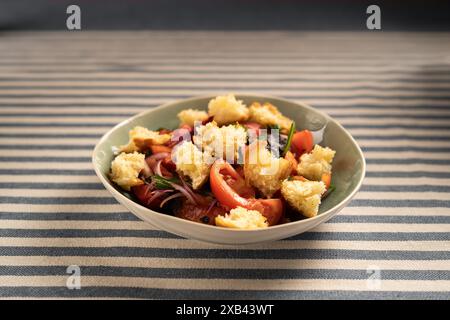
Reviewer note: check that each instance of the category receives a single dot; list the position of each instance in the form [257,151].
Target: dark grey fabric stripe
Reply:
[221,273]
[316,236]
[45,159]
[72,216]
[59,200]
[189,294]
[407,161]
[225,253]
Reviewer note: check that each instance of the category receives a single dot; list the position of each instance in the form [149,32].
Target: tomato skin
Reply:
[159,149]
[272,209]
[326,179]
[221,189]
[302,142]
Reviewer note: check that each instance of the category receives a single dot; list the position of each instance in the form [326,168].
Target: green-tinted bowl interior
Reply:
[348,164]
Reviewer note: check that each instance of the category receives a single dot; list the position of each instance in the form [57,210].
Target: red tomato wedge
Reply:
[302,142]
[224,191]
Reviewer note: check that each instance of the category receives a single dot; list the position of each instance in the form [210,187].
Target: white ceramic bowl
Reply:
[348,170]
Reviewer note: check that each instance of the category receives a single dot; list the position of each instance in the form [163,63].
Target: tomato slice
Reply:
[326,178]
[225,193]
[302,142]
[271,209]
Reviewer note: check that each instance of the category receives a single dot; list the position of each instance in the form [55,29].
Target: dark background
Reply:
[225,14]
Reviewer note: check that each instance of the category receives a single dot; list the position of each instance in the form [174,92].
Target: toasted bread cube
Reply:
[190,162]
[221,143]
[305,196]
[268,115]
[316,163]
[141,138]
[244,219]
[125,169]
[190,116]
[264,171]
[226,110]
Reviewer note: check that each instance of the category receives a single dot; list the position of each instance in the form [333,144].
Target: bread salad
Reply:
[233,166]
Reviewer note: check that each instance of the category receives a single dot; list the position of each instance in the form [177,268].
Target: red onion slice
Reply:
[157,168]
[184,192]
[176,195]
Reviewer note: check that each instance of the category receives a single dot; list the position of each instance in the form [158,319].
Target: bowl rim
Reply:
[323,215]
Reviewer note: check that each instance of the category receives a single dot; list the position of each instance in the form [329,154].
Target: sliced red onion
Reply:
[157,168]
[188,189]
[213,203]
[176,195]
[156,194]
[186,193]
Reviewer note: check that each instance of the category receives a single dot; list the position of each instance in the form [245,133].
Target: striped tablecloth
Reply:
[60,91]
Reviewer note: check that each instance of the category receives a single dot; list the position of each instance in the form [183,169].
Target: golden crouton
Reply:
[125,169]
[221,143]
[226,109]
[141,137]
[305,196]
[190,116]
[241,218]
[264,171]
[268,115]
[190,162]
[312,165]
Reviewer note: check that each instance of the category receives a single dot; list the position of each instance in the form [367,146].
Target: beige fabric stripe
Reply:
[190,244]
[225,263]
[224,284]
